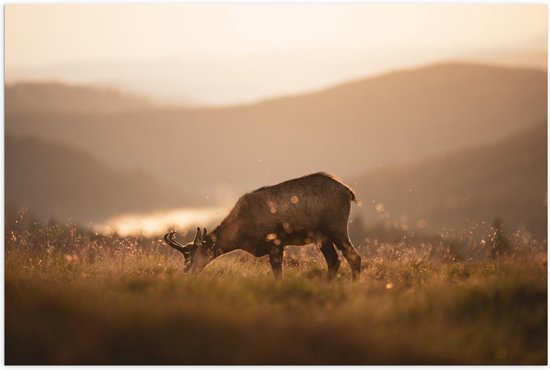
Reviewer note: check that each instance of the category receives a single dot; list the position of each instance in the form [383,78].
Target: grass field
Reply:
[79,298]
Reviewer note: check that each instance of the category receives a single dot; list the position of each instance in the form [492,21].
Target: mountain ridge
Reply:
[478,184]
[401,116]
[69,98]
[67,183]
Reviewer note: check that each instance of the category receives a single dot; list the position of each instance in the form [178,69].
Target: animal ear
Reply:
[204,232]
[198,237]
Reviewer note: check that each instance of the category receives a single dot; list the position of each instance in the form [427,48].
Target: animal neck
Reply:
[224,239]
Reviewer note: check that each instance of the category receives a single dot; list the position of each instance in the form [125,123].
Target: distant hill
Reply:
[507,180]
[533,58]
[58,181]
[56,97]
[358,126]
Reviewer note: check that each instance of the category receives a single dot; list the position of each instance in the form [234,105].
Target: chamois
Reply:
[310,209]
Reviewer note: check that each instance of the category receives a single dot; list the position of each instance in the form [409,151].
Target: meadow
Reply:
[76,297]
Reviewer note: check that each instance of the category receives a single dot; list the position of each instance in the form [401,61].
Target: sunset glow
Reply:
[222,54]
[276,184]
[156,223]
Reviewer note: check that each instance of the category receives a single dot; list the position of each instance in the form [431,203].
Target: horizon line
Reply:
[189,105]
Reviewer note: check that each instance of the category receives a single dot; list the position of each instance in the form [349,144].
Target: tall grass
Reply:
[74,297]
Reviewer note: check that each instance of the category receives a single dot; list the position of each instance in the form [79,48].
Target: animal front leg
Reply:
[276,260]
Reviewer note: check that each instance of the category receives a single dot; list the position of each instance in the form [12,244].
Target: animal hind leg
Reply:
[332,258]
[338,233]
[351,255]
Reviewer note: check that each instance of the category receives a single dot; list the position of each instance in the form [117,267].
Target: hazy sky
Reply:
[216,53]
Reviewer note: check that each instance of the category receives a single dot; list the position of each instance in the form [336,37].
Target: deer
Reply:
[312,209]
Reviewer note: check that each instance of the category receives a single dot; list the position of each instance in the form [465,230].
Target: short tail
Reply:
[354,198]
[352,194]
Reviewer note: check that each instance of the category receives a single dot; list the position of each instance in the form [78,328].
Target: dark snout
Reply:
[187,266]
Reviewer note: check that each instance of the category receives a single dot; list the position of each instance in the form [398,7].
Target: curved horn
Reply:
[198,237]
[169,239]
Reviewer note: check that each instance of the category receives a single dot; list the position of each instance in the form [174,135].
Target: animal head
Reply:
[198,253]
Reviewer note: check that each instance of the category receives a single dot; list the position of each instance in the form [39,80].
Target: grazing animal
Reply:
[309,209]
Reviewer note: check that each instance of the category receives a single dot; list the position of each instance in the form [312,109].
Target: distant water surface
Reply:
[149,224]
